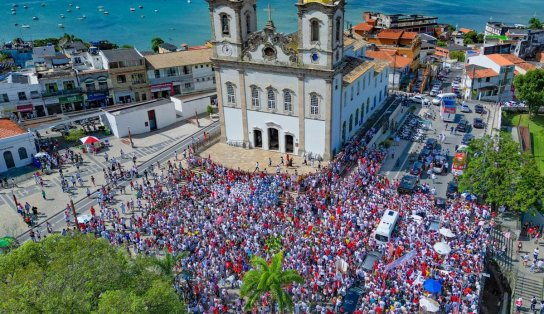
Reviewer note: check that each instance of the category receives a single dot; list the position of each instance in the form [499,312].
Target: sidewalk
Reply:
[146,147]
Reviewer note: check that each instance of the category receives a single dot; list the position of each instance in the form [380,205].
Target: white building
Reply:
[20,94]
[139,117]
[489,77]
[180,73]
[308,91]
[16,145]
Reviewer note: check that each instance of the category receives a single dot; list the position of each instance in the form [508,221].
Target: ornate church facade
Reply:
[305,92]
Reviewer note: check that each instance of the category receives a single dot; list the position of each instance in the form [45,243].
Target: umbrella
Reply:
[433,286]
[6,242]
[442,248]
[468,196]
[89,140]
[84,218]
[446,232]
[41,154]
[429,305]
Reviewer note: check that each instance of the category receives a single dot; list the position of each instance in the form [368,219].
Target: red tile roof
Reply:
[398,62]
[390,33]
[362,27]
[409,35]
[500,60]
[481,73]
[465,30]
[9,128]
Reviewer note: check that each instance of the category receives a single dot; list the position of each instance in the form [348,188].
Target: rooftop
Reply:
[502,60]
[9,128]
[390,57]
[168,46]
[479,72]
[179,58]
[363,27]
[354,68]
[390,33]
[116,55]
[120,109]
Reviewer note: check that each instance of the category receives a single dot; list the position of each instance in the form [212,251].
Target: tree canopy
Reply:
[269,279]
[530,89]
[500,174]
[473,38]
[458,55]
[155,42]
[63,274]
[534,23]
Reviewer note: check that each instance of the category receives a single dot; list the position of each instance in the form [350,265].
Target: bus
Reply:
[448,109]
[386,226]
[459,163]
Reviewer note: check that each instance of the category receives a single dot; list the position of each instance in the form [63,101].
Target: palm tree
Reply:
[269,278]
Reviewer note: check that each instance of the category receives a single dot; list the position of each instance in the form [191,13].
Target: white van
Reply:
[386,226]
[438,99]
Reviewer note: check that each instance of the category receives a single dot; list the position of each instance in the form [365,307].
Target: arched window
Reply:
[271,95]
[314,105]
[350,122]
[22,153]
[255,101]
[248,23]
[367,104]
[231,97]
[362,112]
[314,26]
[225,24]
[338,28]
[344,131]
[287,101]
[357,116]
[374,105]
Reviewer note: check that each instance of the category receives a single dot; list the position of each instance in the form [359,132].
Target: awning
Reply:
[161,87]
[96,96]
[25,108]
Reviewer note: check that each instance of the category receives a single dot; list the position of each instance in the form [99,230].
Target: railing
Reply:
[62,92]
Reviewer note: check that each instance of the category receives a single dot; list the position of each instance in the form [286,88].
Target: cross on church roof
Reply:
[269,10]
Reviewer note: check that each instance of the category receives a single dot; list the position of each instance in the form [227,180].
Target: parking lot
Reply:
[429,138]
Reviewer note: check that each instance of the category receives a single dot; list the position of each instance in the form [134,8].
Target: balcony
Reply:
[61,92]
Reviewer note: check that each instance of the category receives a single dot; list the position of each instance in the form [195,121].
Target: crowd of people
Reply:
[218,218]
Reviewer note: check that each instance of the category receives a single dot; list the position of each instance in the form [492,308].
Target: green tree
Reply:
[125,46]
[530,89]
[472,38]
[441,43]
[500,174]
[451,27]
[155,42]
[534,23]
[269,279]
[64,273]
[458,55]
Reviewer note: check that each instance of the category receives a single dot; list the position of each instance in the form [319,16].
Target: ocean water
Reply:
[180,21]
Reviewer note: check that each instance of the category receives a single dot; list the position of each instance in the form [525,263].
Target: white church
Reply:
[305,92]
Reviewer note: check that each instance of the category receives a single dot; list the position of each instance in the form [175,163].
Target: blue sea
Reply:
[180,21]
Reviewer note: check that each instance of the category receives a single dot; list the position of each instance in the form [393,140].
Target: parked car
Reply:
[479,109]
[417,167]
[465,108]
[439,164]
[467,138]
[452,189]
[462,126]
[417,98]
[478,123]
[62,127]
[407,185]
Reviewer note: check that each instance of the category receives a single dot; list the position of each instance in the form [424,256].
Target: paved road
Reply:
[403,150]
[83,205]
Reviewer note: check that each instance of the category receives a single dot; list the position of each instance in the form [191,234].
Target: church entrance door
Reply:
[273,139]
[289,144]
[258,138]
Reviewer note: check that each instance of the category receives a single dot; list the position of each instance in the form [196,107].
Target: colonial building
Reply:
[128,74]
[20,95]
[16,145]
[305,92]
[410,23]
[180,73]
[490,77]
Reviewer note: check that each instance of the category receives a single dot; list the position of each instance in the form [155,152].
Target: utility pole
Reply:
[14,199]
[74,212]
